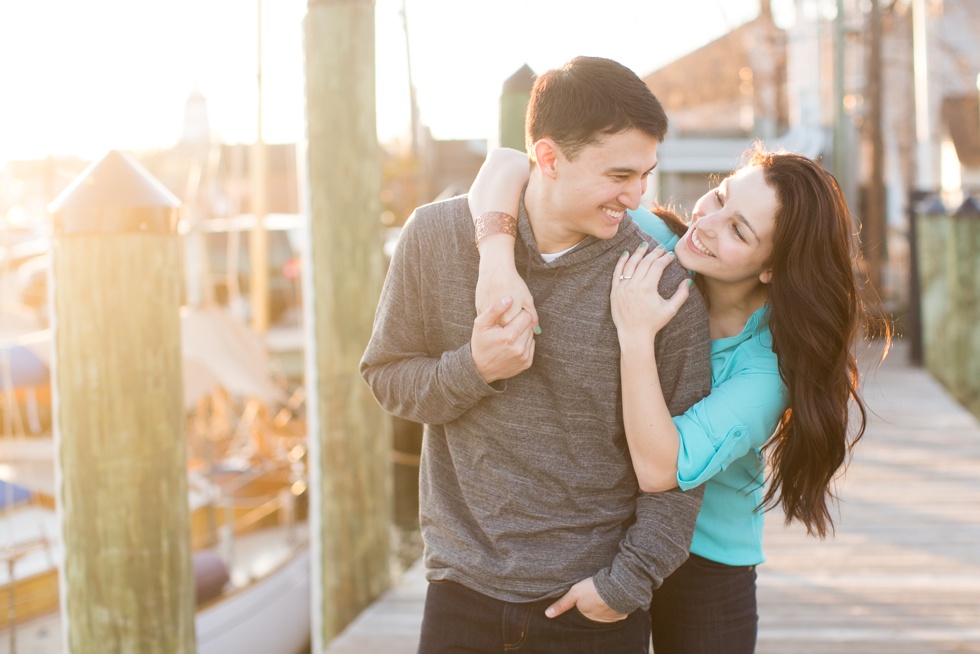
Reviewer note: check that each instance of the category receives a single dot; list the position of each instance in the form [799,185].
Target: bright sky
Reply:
[86,76]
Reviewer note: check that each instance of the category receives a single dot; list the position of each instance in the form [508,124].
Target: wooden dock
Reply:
[902,574]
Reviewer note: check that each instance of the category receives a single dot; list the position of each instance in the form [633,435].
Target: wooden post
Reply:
[932,227]
[350,436]
[127,582]
[873,225]
[964,329]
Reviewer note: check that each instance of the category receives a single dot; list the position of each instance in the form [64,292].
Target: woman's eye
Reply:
[738,232]
[718,196]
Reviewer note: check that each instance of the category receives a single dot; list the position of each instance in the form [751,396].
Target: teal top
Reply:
[722,435]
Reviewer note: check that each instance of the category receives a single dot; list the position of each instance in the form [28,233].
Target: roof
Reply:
[961,115]
[704,91]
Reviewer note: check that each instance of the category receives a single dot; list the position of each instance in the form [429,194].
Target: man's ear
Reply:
[546,156]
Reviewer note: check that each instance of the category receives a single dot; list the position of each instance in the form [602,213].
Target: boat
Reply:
[247,496]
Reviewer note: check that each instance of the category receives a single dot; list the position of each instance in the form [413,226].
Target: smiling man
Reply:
[527,490]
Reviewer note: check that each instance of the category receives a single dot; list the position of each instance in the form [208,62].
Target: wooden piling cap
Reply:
[931,205]
[114,195]
[970,208]
[521,81]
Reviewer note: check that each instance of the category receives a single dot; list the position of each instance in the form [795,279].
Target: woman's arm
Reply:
[497,188]
[640,312]
[740,413]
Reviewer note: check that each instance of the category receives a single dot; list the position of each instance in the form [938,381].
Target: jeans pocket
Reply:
[575,617]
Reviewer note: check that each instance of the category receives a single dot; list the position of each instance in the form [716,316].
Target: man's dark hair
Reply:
[588,98]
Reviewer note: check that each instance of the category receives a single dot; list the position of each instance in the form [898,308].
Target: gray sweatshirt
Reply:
[526,484]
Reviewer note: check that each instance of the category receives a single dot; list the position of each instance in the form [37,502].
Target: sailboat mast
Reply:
[414,140]
[259,238]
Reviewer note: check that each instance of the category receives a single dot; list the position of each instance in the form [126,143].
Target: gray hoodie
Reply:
[526,484]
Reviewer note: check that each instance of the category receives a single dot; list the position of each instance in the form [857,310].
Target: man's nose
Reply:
[632,192]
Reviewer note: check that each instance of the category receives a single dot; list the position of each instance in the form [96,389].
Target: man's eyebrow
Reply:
[626,170]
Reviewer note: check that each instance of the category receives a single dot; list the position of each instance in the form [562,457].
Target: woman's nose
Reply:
[706,223]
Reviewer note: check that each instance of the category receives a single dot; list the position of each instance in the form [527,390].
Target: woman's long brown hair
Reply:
[815,313]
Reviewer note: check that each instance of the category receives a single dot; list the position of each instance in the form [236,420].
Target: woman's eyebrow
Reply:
[739,216]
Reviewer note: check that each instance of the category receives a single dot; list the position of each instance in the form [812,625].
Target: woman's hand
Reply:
[499,279]
[638,309]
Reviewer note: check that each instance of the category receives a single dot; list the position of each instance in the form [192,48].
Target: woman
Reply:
[771,252]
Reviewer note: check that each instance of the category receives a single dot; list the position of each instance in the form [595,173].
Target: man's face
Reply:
[593,191]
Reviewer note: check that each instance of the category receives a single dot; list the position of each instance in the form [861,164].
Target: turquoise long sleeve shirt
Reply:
[721,437]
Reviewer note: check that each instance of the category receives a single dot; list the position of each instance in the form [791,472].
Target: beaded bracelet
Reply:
[495,222]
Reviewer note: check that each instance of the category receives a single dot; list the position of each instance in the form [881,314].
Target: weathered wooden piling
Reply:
[350,436]
[949,276]
[126,580]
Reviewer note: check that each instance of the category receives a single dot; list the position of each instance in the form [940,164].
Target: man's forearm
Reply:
[655,545]
[424,389]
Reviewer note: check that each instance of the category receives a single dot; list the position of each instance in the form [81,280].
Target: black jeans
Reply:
[705,608]
[458,620]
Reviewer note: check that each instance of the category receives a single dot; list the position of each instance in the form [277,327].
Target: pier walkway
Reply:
[902,574]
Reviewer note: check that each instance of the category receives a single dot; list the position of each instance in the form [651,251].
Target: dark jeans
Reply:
[458,620]
[705,608]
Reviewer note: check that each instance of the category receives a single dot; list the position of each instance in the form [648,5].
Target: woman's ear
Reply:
[546,156]
[765,276]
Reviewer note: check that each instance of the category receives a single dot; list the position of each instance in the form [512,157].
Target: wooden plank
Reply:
[901,575]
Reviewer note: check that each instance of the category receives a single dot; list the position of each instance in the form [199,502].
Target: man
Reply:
[527,492]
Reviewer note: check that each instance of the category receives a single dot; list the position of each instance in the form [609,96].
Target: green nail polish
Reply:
[625,253]
[537,328]
[690,281]
[644,244]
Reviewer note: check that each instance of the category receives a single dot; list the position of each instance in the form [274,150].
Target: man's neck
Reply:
[545,222]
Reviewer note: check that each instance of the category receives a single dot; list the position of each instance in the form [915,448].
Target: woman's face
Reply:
[731,232]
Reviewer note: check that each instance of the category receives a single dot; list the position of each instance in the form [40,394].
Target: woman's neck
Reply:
[731,305]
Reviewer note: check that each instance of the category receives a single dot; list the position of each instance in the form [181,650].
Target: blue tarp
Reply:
[26,368]
[12,495]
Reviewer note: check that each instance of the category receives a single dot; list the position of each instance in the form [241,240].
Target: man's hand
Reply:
[501,352]
[584,596]
[498,278]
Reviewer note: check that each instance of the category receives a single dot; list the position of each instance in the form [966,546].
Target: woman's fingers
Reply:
[639,265]
[627,264]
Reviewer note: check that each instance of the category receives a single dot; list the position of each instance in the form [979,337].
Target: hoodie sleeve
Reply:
[406,378]
[656,545]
